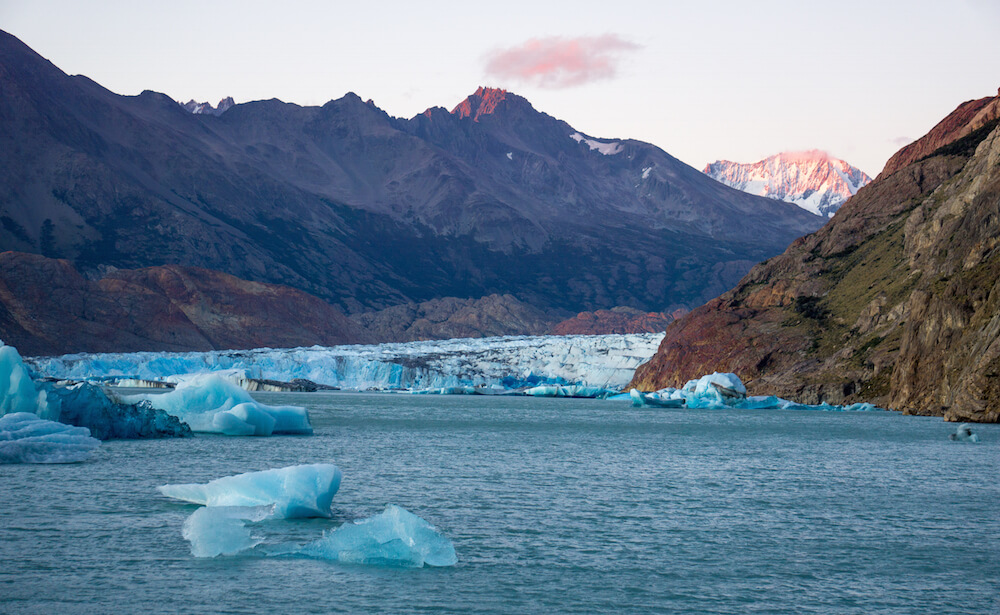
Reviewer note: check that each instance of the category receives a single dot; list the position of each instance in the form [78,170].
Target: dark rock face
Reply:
[48,308]
[451,317]
[896,301]
[617,320]
[363,210]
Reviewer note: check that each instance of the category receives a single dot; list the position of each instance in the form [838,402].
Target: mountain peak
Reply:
[812,179]
[205,108]
[485,101]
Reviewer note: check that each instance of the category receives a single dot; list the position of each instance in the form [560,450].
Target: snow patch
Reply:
[608,149]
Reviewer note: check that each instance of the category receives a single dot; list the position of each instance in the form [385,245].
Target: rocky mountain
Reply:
[895,301]
[47,307]
[813,180]
[363,210]
[451,317]
[616,320]
[198,108]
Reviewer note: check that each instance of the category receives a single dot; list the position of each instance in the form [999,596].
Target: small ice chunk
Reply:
[17,389]
[295,491]
[211,404]
[222,530]
[395,537]
[963,433]
[716,390]
[25,438]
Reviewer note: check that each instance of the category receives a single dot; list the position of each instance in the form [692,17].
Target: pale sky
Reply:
[733,80]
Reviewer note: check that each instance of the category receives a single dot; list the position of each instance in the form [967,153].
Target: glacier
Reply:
[25,438]
[211,404]
[395,537]
[605,361]
[81,404]
[293,492]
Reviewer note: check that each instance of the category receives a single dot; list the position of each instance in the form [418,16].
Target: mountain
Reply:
[363,210]
[47,307]
[895,301]
[813,180]
[198,108]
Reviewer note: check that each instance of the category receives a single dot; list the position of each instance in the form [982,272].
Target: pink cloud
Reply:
[557,62]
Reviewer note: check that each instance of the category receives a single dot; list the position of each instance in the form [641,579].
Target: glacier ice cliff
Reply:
[25,438]
[295,491]
[82,404]
[211,404]
[606,361]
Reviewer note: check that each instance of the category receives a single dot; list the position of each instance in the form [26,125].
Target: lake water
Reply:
[554,505]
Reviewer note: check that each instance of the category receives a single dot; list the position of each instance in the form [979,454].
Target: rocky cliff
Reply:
[895,301]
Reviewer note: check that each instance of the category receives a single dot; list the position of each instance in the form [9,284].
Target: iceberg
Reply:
[514,362]
[963,433]
[726,391]
[25,438]
[394,537]
[221,530]
[82,404]
[211,404]
[570,390]
[295,491]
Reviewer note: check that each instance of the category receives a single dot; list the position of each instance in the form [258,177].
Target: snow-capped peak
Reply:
[205,108]
[814,180]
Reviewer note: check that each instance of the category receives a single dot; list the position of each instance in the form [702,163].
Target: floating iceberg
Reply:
[607,361]
[221,530]
[82,405]
[210,404]
[963,433]
[295,491]
[724,390]
[395,537]
[25,438]
[569,390]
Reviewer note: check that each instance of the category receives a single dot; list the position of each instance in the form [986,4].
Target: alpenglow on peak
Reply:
[813,180]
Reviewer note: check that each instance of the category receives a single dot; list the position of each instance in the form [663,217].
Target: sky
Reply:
[704,81]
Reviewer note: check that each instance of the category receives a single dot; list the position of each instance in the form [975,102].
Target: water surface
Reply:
[554,505]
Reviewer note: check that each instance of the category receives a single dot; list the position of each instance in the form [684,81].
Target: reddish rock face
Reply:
[896,301]
[47,307]
[617,320]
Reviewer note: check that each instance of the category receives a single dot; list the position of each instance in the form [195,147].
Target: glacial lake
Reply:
[554,505]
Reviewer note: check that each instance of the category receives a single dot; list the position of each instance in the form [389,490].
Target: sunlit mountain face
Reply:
[813,179]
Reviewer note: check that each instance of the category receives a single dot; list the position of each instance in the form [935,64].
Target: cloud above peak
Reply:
[557,62]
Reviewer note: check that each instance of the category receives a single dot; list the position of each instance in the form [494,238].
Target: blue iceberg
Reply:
[211,404]
[25,438]
[295,491]
[395,537]
[222,530]
[82,405]
[963,433]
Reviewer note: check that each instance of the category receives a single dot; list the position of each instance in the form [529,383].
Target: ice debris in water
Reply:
[25,438]
[569,390]
[210,404]
[221,530]
[82,404]
[295,491]
[725,390]
[394,537]
[963,433]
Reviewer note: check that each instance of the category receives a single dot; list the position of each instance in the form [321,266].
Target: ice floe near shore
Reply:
[606,361]
[210,404]
[724,390]
[25,438]
[81,404]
